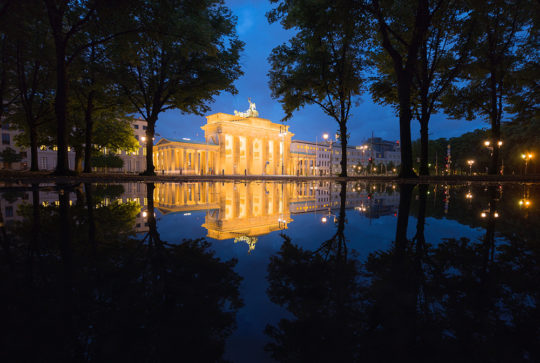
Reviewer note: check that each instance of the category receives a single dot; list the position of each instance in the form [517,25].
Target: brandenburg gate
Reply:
[239,144]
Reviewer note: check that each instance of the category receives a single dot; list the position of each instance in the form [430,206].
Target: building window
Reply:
[5,126]
[144,127]
[136,126]
[9,211]
[5,139]
[44,163]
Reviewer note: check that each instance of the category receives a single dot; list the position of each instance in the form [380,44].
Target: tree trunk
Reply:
[495,126]
[405,196]
[89,124]
[79,159]
[150,129]
[343,137]
[33,149]
[405,116]
[424,150]
[91,220]
[60,102]
[62,165]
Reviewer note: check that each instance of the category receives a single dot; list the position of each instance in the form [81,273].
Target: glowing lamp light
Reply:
[325,136]
[496,215]
[487,143]
[468,195]
[323,219]
[144,214]
[483,214]
[525,203]
[143,139]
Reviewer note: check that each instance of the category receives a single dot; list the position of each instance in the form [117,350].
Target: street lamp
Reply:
[488,145]
[325,137]
[470,162]
[527,157]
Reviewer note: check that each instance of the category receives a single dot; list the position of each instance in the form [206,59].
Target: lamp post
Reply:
[488,145]
[526,157]
[470,162]
[325,137]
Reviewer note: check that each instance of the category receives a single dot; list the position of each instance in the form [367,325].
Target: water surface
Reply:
[268,271]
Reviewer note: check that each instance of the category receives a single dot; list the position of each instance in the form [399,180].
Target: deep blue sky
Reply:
[307,124]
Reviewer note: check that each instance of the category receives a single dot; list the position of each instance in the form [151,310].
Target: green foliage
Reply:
[115,134]
[517,138]
[323,63]
[501,30]
[107,161]
[111,191]
[187,54]
[8,155]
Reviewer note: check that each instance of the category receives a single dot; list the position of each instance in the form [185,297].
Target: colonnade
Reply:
[184,160]
[253,155]
[303,164]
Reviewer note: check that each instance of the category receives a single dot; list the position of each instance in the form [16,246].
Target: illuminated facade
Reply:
[233,210]
[239,144]
[234,145]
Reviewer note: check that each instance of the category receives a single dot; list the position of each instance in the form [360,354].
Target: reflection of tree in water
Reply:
[458,300]
[97,294]
[321,289]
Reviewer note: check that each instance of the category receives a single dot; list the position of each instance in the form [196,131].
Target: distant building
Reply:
[133,161]
[327,155]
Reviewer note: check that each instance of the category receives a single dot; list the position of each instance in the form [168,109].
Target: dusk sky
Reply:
[307,124]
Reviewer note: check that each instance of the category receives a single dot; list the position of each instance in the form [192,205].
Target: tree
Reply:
[442,54]
[484,87]
[96,100]
[69,20]
[323,63]
[33,72]
[401,28]
[9,156]
[187,54]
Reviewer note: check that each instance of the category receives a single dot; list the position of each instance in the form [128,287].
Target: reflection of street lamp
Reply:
[484,214]
[525,203]
[526,157]
[470,162]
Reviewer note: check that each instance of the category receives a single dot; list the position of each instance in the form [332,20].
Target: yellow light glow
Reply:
[487,143]
[323,219]
[483,215]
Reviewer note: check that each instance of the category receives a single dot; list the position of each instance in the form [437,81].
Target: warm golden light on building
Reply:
[234,145]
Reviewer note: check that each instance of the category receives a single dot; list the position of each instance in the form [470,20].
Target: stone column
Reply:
[249,201]
[287,153]
[206,162]
[249,154]
[264,158]
[277,157]
[236,154]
